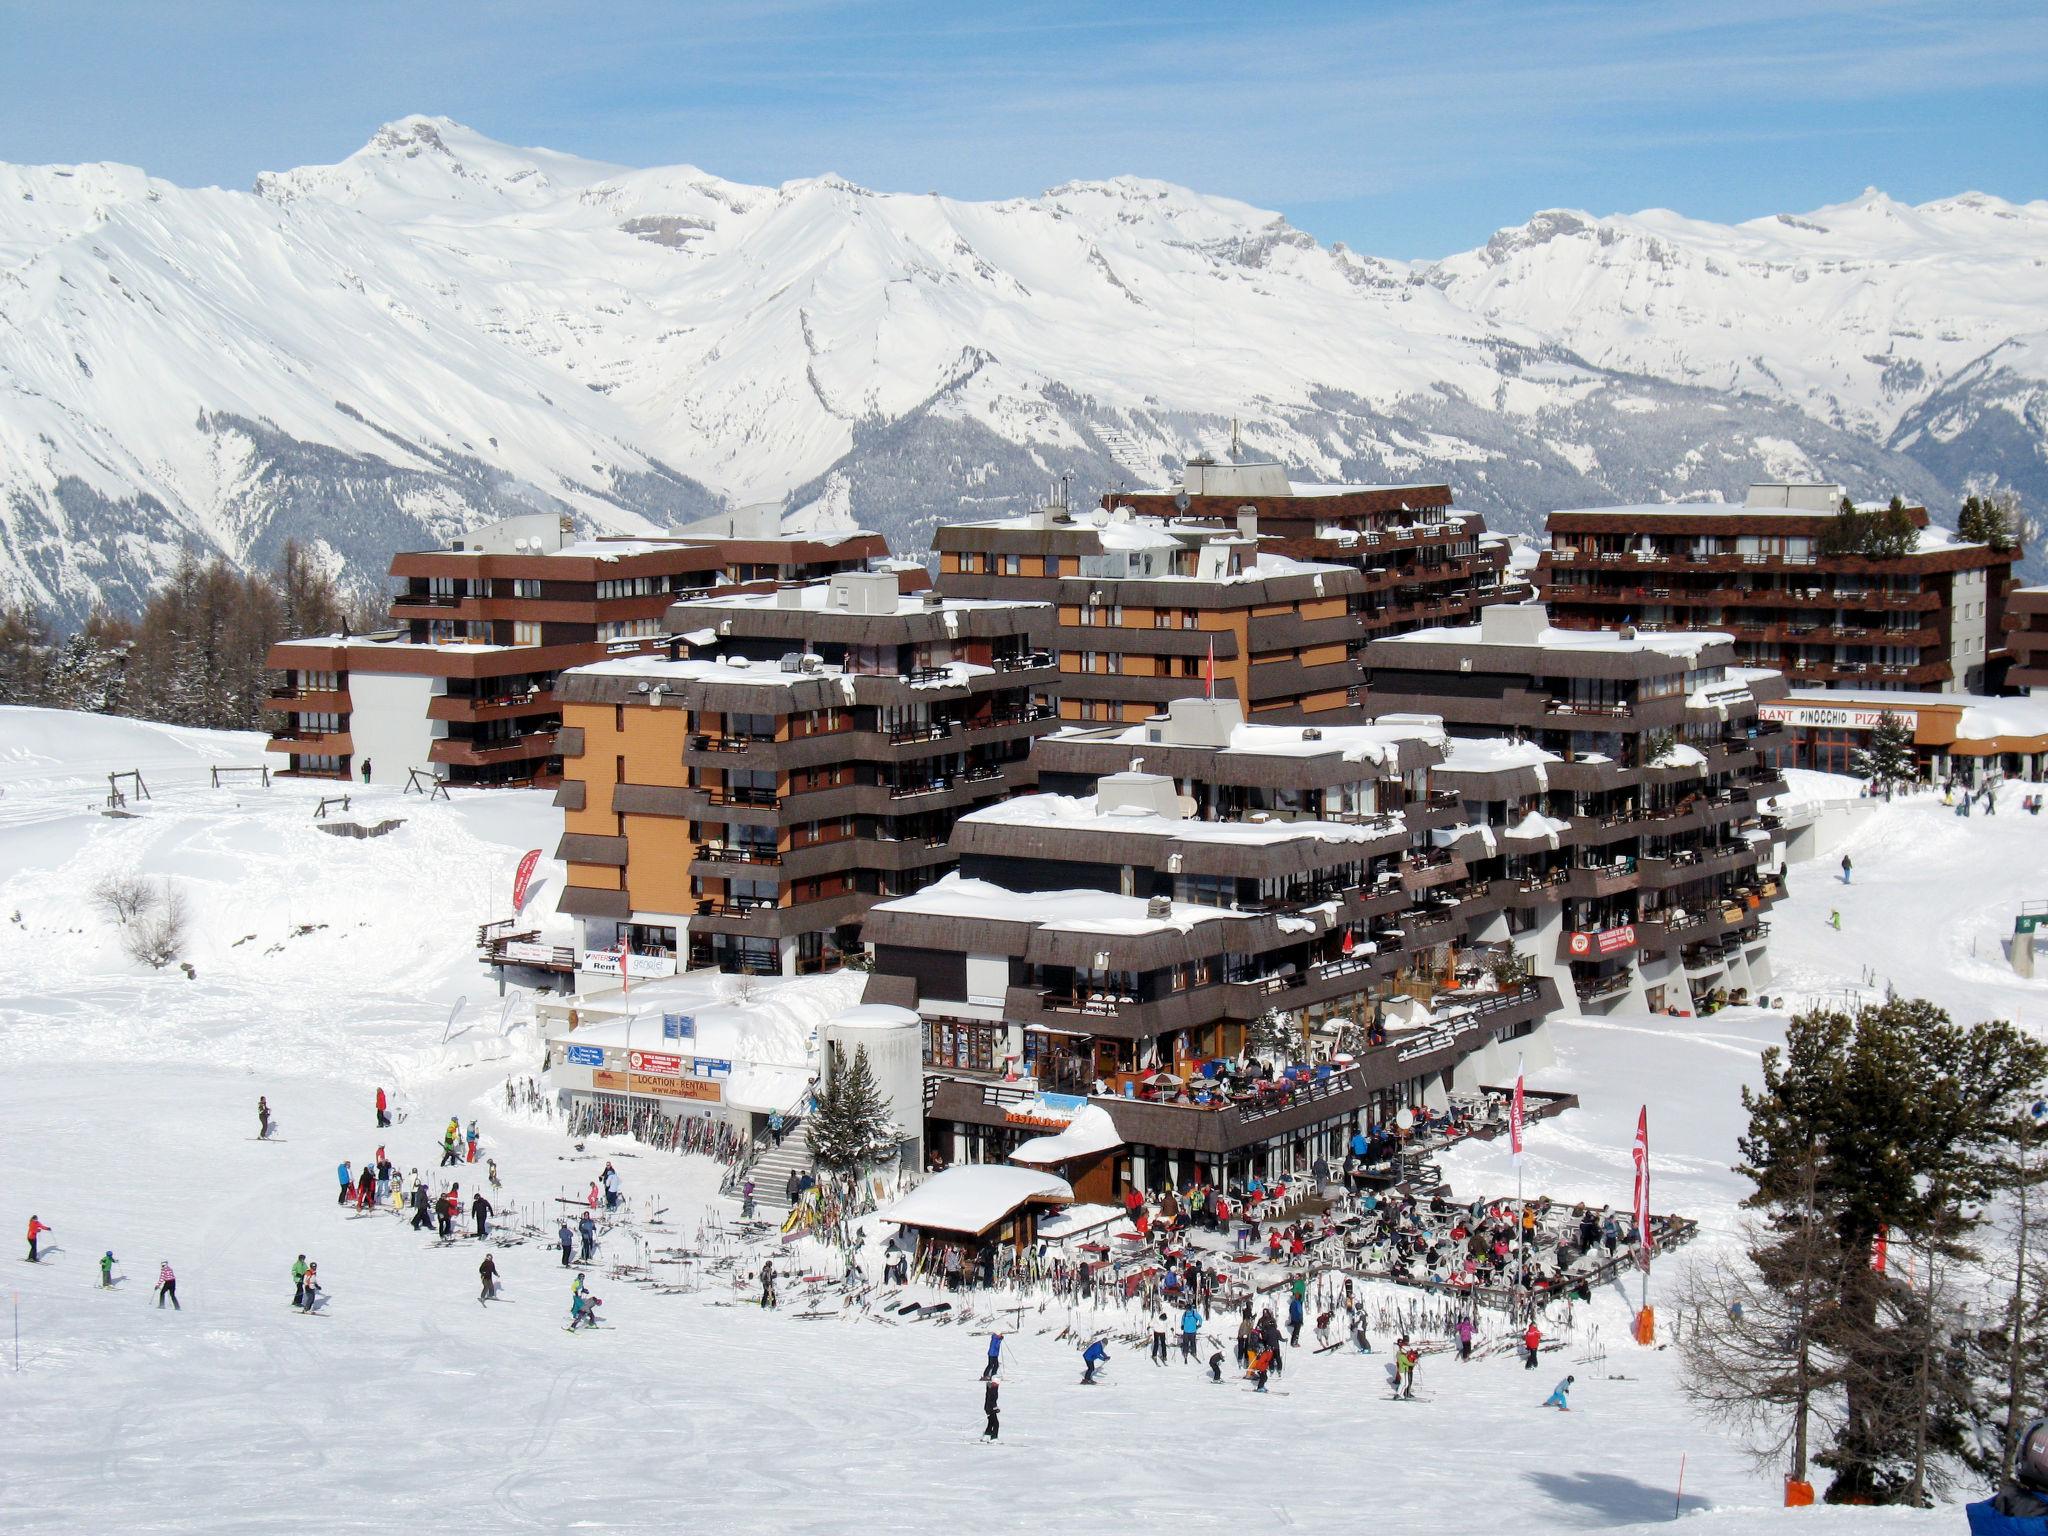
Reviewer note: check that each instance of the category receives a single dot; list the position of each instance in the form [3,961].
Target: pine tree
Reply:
[1888,759]
[852,1127]
[1890,1122]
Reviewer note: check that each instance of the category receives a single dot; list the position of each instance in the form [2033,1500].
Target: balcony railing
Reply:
[729,743]
[737,853]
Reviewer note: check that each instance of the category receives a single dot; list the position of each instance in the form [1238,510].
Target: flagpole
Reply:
[1515,1113]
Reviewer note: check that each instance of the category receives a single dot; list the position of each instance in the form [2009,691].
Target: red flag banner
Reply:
[625,968]
[1878,1253]
[1515,1114]
[1642,1202]
[522,877]
[1209,670]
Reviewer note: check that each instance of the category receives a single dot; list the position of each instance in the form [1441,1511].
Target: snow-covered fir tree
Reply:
[852,1127]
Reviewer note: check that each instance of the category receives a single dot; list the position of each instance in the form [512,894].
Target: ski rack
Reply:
[115,799]
[320,810]
[260,768]
[425,784]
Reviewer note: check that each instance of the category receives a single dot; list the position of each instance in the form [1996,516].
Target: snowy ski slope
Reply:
[129,1100]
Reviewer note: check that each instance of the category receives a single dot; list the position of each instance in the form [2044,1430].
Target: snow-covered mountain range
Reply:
[377,353]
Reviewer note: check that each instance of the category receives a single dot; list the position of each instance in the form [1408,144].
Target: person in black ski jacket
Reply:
[480,1208]
[994,1429]
[422,1206]
[488,1272]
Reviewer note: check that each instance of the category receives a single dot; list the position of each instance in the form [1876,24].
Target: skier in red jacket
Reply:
[36,1228]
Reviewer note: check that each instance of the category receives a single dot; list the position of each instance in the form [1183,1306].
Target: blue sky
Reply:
[1405,130]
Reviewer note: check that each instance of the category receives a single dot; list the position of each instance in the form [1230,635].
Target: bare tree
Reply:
[158,936]
[123,898]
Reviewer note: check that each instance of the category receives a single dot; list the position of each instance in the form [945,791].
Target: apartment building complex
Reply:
[2026,636]
[1611,788]
[741,798]
[1209,889]
[462,686]
[1240,579]
[1773,574]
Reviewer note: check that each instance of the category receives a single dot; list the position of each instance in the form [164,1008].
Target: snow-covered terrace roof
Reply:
[1075,813]
[971,1198]
[1683,645]
[1375,743]
[1078,911]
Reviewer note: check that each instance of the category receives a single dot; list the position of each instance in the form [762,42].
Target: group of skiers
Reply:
[166,1280]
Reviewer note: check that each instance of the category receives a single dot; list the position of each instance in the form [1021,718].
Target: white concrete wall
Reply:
[1967,628]
[388,722]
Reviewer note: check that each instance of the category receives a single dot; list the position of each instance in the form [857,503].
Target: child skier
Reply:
[166,1286]
[995,1357]
[310,1290]
[1216,1365]
[262,1118]
[1558,1394]
[488,1272]
[993,1430]
[107,1270]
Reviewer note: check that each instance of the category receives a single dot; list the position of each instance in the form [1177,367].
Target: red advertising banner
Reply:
[521,879]
[656,1063]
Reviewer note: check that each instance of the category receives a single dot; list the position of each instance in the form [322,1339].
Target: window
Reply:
[1013,565]
[964,1045]
[525,586]
[525,632]
[627,586]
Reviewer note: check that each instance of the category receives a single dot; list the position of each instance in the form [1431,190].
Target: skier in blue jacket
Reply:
[995,1357]
[1190,1332]
[347,1183]
[2020,1508]
[1095,1354]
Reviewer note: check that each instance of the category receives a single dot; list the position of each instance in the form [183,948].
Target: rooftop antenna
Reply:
[1236,446]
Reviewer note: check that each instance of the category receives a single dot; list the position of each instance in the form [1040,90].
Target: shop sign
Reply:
[586,1055]
[710,1066]
[1606,941]
[663,1087]
[678,1026]
[605,962]
[1829,717]
[656,1063]
[1049,1111]
[529,953]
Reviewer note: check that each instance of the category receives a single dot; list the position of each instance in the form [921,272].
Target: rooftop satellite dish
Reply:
[1180,501]
[1099,518]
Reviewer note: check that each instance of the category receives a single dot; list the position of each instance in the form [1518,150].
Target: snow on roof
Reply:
[815,597]
[1139,533]
[1493,754]
[1077,911]
[1679,755]
[875,1016]
[1089,1132]
[972,1198]
[1314,488]
[1537,828]
[1684,645]
[739,671]
[1374,743]
[772,1026]
[388,643]
[1083,812]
